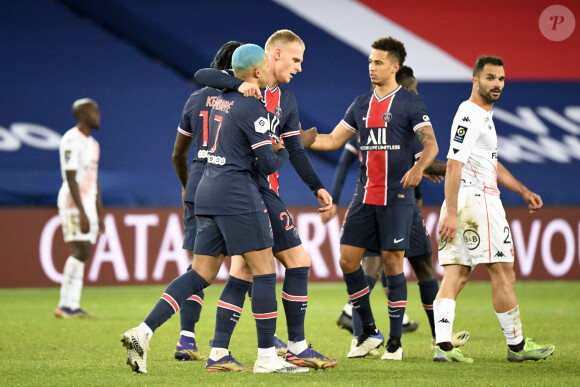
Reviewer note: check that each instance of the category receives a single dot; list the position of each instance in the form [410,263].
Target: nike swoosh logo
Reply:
[398,240]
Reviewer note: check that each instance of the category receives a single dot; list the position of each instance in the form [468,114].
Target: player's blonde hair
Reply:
[81,104]
[282,37]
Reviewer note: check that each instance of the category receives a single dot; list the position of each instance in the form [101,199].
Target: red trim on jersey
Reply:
[265,316]
[346,125]
[289,297]
[196,299]
[226,305]
[288,134]
[472,101]
[377,161]
[359,293]
[171,301]
[257,145]
[273,98]
[184,132]
[416,127]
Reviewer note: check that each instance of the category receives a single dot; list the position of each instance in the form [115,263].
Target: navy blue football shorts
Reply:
[378,228]
[420,248]
[189,226]
[283,227]
[233,234]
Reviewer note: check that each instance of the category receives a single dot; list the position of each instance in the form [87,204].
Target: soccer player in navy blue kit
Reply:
[231,215]
[380,216]
[194,128]
[285,51]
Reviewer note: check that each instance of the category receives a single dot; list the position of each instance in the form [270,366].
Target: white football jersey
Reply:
[78,153]
[474,143]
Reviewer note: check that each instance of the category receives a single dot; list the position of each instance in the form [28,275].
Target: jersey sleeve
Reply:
[349,117]
[418,115]
[217,79]
[69,154]
[464,135]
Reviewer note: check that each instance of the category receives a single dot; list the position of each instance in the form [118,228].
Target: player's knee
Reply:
[348,265]
[424,269]
[293,257]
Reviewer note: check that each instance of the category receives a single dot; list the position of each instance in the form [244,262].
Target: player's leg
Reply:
[205,267]
[397,301]
[229,309]
[186,348]
[80,250]
[454,278]
[507,310]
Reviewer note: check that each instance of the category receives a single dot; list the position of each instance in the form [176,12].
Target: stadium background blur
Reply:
[137,60]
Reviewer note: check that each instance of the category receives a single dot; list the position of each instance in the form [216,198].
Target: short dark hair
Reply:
[223,58]
[404,73]
[394,47]
[486,59]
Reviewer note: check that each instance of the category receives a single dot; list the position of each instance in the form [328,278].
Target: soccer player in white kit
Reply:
[79,203]
[473,228]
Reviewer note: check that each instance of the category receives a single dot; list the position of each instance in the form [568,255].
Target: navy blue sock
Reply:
[265,308]
[175,295]
[428,291]
[229,310]
[356,323]
[397,299]
[250,292]
[358,292]
[295,301]
[190,310]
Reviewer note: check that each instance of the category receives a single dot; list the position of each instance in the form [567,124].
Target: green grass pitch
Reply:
[38,349]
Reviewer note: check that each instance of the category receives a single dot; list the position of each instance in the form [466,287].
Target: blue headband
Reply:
[246,56]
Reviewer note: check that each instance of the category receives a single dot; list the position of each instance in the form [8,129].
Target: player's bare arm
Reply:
[76,196]
[100,211]
[308,136]
[333,141]
[448,221]
[179,157]
[430,149]
[507,180]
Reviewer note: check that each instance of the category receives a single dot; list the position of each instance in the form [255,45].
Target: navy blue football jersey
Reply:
[237,126]
[195,123]
[386,129]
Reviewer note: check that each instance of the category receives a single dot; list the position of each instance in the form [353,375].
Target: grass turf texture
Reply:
[38,349]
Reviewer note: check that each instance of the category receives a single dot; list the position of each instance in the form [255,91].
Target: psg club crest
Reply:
[278,112]
[387,117]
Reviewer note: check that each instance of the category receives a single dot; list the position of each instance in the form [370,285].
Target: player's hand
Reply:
[277,146]
[324,199]
[413,177]
[534,201]
[308,136]
[249,89]
[183,197]
[433,178]
[101,226]
[84,223]
[325,217]
[447,226]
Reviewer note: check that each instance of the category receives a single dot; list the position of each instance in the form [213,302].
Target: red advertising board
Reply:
[143,246]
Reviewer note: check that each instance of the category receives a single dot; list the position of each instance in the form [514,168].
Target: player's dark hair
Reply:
[404,73]
[486,59]
[223,58]
[394,47]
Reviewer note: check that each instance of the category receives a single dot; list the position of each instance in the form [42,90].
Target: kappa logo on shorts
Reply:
[471,238]
[460,134]
[499,254]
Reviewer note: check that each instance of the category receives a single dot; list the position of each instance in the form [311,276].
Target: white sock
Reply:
[511,325]
[148,331]
[217,353]
[348,309]
[187,334]
[267,352]
[444,314]
[296,347]
[72,283]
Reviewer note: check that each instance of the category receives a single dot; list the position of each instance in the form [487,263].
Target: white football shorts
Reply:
[71,228]
[483,232]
